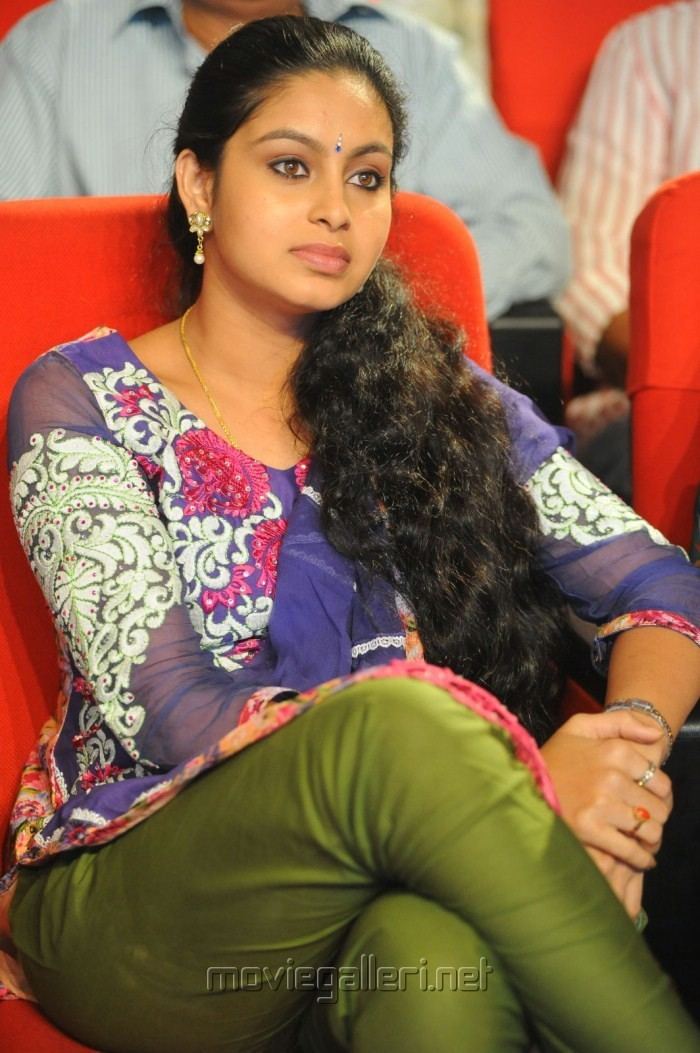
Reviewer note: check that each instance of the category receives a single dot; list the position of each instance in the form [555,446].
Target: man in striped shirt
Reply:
[639,124]
[90,91]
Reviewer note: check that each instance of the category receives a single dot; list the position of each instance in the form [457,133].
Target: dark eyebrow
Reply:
[314,144]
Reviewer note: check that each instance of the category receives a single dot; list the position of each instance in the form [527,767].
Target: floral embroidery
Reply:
[246,650]
[130,399]
[265,549]
[636,619]
[35,804]
[102,558]
[301,471]
[230,596]
[158,418]
[95,749]
[199,499]
[209,551]
[103,773]
[414,644]
[217,478]
[573,504]
[151,470]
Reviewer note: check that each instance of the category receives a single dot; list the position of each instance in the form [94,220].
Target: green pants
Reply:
[386,846]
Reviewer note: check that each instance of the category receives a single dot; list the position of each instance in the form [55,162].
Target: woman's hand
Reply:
[596,762]
[624,880]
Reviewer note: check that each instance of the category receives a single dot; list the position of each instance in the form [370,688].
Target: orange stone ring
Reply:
[641,815]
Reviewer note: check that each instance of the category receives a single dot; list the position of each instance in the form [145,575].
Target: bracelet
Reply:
[642,706]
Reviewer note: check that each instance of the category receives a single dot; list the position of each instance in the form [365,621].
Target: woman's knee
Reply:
[410,970]
[403,707]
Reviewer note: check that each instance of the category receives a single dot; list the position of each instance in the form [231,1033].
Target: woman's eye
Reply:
[290,167]
[368,180]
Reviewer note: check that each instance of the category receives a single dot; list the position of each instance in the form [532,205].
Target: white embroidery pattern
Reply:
[313,495]
[86,815]
[376,643]
[158,419]
[102,557]
[207,548]
[572,504]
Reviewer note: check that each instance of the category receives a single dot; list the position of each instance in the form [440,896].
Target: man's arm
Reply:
[616,157]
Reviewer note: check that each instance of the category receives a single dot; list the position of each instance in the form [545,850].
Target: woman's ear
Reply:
[194,183]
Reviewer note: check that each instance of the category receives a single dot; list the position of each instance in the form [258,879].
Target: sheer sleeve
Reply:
[89,524]
[614,569]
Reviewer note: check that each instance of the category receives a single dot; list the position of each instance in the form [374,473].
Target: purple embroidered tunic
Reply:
[195,595]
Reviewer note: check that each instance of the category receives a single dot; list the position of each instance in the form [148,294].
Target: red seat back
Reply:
[70,264]
[541,55]
[664,369]
[12,10]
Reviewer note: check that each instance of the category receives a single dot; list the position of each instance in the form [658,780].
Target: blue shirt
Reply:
[90,93]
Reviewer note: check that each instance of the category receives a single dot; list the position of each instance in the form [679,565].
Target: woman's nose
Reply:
[330,206]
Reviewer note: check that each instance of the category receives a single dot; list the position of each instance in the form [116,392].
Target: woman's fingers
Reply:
[612,793]
[632,762]
[632,898]
[626,883]
[613,835]
[621,817]
[654,779]
[621,724]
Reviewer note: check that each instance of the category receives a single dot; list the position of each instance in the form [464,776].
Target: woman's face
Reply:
[301,202]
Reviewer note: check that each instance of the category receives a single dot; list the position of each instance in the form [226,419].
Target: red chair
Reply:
[664,366]
[664,386]
[66,266]
[541,53]
[13,10]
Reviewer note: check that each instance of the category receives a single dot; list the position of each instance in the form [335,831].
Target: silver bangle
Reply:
[642,706]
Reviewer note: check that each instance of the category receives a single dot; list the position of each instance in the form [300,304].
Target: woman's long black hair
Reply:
[415,458]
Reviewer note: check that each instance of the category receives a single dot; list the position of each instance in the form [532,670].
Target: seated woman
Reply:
[294,544]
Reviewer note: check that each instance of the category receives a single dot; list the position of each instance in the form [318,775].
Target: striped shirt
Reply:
[639,124]
[90,92]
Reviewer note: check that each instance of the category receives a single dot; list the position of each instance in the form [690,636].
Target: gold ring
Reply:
[648,775]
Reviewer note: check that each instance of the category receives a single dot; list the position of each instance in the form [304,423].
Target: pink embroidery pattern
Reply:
[245,650]
[265,550]
[635,619]
[218,479]
[229,596]
[301,471]
[149,467]
[130,398]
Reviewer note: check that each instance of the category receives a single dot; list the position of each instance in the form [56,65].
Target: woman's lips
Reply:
[328,259]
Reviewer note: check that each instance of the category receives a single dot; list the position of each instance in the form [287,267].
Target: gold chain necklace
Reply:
[195,369]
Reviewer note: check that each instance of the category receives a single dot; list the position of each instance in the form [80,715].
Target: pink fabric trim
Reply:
[658,619]
[480,701]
